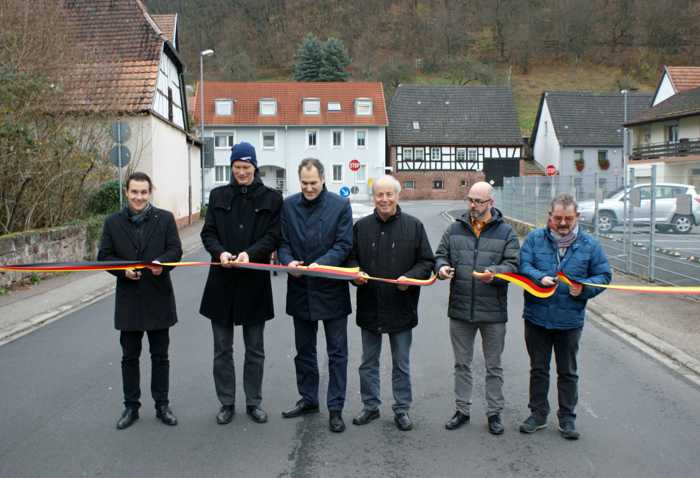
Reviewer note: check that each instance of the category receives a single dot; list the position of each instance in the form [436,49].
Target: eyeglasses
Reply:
[566,219]
[478,201]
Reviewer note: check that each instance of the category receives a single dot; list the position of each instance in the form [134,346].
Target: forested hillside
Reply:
[611,42]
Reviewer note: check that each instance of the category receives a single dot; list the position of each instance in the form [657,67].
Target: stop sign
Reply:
[550,170]
[354,165]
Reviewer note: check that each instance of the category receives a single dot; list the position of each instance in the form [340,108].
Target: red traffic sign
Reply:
[354,165]
[550,170]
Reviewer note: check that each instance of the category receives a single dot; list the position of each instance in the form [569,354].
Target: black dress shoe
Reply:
[301,408]
[129,416]
[256,413]
[225,415]
[166,415]
[336,423]
[365,417]
[457,420]
[403,421]
[495,425]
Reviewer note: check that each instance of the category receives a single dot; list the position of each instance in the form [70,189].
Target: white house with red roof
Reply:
[341,124]
[674,80]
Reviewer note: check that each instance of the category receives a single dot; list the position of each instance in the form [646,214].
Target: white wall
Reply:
[546,148]
[291,148]
[172,171]
[665,90]
[590,157]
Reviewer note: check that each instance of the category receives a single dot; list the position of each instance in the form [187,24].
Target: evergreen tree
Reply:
[334,62]
[309,58]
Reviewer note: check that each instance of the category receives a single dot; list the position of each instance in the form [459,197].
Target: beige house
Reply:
[132,72]
[668,135]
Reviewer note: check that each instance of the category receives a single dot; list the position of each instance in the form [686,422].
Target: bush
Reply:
[106,199]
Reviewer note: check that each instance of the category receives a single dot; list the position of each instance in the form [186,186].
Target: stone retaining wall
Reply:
[60,244]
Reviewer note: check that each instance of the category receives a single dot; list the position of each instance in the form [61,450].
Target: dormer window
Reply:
[363,106]
[312,106]
[268,107]
[223,107]
[416,125]
[334,106]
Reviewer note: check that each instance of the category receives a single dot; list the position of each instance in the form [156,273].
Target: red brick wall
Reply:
[452,182]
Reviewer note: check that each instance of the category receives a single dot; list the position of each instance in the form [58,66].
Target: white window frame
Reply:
[463,152]
[267,102]
[334,106]
[433,150]
[338,165]
[412,185]
[312,146]
[407,157]
[357,138]
[422,154]
[364,106]
[472,155]
[307,104]
[342,138]
[416,125]
[274,139]
[225,173]
[231,139]
[221,102]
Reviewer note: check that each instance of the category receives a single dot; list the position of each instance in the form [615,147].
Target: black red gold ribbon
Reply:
[327,272]
[344,273]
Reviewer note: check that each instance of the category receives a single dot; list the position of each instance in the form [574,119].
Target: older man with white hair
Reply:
[391,244]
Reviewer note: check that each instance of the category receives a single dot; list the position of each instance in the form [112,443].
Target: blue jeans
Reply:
[306,363]
[400,373]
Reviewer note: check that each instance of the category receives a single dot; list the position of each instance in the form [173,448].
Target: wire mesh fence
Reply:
[650,229]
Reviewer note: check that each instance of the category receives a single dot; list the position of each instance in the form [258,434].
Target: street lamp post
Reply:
[202,54]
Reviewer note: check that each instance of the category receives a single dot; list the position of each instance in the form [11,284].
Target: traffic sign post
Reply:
[120,154]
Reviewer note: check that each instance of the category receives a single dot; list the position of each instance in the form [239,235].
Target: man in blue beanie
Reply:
[242,225]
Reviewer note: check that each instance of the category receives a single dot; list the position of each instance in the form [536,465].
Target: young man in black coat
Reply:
[145,301]
[242,225]
[390,244]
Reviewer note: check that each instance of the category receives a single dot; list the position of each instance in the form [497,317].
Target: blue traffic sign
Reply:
[345,191]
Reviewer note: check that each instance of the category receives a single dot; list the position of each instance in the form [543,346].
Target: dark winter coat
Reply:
[495,249]
[397,247]
[147,303]
[238,219]
[321,232]
[584,261]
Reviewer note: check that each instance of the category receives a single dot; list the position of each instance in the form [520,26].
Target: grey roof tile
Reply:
[686,103]
[453,115]
[591,119]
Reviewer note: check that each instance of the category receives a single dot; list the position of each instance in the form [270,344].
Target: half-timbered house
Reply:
[442,139]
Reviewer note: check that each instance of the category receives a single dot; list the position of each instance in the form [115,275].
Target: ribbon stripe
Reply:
[344,273]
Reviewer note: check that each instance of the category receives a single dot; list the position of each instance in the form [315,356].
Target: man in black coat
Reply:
[145,301]
[390,244]
[242,225]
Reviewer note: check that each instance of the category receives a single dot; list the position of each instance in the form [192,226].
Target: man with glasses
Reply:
[556,323]
[479,241]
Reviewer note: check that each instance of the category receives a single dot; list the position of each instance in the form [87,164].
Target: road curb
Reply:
[47,317]
[660,350]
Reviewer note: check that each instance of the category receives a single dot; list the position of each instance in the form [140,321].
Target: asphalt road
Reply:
[61,396]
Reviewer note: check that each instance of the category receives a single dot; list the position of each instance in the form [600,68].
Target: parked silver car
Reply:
[610,210]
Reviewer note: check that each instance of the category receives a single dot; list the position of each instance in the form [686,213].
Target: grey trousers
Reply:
[493,335]
[224,371]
